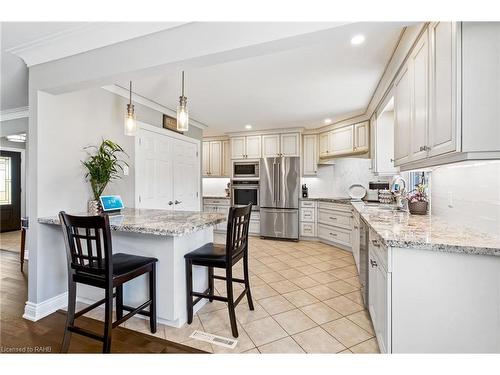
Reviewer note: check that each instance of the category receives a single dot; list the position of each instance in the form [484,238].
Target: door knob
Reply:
[178,202]
[170,203]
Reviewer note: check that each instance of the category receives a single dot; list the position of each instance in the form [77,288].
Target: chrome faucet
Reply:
[398,189]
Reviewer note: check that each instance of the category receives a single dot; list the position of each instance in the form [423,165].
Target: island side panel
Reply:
[445,302]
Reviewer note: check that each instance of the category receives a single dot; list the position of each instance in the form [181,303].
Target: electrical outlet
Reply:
[450,199]
[125,170]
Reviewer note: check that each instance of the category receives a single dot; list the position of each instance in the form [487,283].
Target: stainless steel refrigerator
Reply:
[279,197]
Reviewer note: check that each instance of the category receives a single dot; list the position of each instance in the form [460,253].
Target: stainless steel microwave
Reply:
[246,170]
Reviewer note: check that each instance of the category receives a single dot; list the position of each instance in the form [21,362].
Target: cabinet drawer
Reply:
[335,206]
[334,234]
[254,227]
[307,204]
[307,214]
[307,230]
[216,201]
[379,250]
[337,218]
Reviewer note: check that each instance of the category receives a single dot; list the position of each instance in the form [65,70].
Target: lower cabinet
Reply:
[379,293]
[335,224]
[307,225]
[218,205]
[355,238]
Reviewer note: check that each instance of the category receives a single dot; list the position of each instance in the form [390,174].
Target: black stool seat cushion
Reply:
[125,263]
[208,253]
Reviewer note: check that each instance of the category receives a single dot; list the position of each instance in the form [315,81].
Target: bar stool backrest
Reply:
[88,244]
[237,232]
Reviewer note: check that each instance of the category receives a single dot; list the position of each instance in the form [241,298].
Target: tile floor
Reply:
[306,297]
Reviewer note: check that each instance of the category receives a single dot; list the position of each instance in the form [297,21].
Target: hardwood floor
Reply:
[45,336]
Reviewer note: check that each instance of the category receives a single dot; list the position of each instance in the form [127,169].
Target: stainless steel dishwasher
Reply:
[363,259]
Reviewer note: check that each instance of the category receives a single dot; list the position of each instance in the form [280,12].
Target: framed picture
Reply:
[170,123]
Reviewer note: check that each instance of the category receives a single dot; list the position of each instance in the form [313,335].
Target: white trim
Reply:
[14,113]
[123,92]
[84,37]
[263,132]
[36,311]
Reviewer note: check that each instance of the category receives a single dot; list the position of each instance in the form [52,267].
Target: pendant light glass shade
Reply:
[130,125]
[182,111]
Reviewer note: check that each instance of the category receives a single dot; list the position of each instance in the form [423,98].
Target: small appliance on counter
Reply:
[305,192]
[374,188]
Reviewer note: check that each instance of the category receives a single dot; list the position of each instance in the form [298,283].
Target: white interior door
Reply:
[186,180]
[153,171]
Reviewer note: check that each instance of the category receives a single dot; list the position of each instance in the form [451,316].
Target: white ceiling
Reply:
[299,87]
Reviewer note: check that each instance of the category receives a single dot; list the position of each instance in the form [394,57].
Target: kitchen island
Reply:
[163,234]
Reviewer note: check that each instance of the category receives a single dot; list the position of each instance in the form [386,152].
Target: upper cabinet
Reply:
[247,147]
[345,141]
[215,159]
[439,96]
[310,155]
[287,144]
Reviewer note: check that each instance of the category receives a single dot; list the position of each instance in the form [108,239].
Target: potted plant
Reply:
[418,201]
[103,165]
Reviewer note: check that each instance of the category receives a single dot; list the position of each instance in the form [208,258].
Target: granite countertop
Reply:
[426,232]
[156,222]
[330,199]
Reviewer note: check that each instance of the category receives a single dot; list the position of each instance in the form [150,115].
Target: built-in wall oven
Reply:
[246,170]
[244,192]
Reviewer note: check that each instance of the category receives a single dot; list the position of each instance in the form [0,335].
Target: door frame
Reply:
[168,133]
[23,176]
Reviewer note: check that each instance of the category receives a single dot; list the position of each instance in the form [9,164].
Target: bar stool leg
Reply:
[230,301]
[152,297]
[247,281]
[189,290]
[211,283]
[119,302]
[108,319]
[70,315]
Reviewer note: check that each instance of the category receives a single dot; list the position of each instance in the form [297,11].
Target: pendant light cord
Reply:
[183,83]
[130,92]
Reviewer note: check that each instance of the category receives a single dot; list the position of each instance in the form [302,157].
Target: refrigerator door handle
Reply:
[279,182]
[273,184]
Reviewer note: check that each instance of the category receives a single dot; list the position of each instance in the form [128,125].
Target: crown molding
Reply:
[83,38]
[14,113]
[123,92]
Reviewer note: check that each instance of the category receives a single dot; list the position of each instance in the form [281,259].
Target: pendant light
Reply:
[182,111]
[130,124]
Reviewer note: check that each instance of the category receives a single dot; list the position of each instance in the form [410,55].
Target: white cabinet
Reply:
[287,144]
[342,140]
[361,137]
[335,224]
[382,134]
[217,205]
[418,65]
[324,144]
[355,238]
[310,155]
[402,117]
[379,296]
[246,147]
[307,219]
[215,159]
[443,78]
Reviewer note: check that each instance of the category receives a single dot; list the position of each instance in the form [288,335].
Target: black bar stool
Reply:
[99,267]
[219,256]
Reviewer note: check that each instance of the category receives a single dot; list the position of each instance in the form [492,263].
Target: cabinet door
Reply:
[324,144]
[252,145]
[270,145]
[206,159]
[226,159]
[443,120]
[373,288]
[342,140]
[382,314]
[402,117]
[215,158]
[310,155]
[361,137]
[290,144]
[419,62]
[237,148]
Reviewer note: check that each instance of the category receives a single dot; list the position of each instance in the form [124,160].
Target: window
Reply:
[5,180]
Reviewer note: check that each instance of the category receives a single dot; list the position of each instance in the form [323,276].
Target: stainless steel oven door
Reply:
[243,195]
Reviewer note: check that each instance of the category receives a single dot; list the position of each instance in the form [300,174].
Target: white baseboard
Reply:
[37,311]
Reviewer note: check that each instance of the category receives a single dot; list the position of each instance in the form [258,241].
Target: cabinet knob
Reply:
[392,160]
[373,263]
[375,243]
[333,234]
[170,203]
[178,202]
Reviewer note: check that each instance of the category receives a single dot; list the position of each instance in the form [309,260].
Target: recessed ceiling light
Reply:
[357,39]
[248,126]
[327,121]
